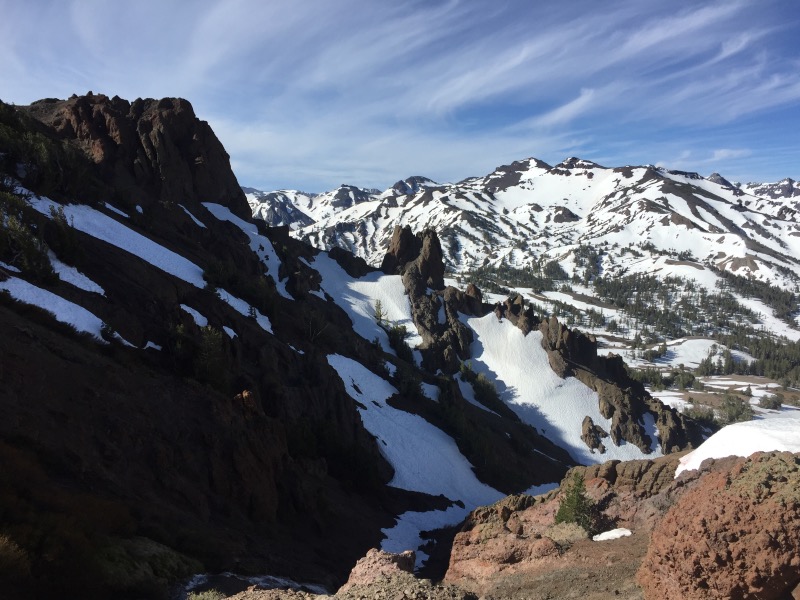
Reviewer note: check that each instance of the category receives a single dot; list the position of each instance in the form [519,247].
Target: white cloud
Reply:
[306,88]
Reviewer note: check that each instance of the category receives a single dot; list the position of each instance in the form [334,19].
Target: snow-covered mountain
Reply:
[528,209]
[592,220]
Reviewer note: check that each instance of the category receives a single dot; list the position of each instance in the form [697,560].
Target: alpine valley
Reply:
[209,386]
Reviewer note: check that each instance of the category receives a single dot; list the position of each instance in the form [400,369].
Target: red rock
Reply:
[377,565]
[734,534]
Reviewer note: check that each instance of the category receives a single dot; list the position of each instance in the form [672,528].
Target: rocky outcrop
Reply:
[423,250]
[513,550]
[623,400]
[377,565]
[592,434]
[153,150]
[735,534]
[445,339]
[728,530]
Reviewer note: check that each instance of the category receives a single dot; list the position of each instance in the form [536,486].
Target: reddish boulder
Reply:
[377,565]
[734,534]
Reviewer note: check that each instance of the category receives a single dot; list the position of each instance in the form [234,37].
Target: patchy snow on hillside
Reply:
[243,308]
[63,310]
[357,297]
[111,231]
[114,209]
[425,459]
[688,352]
[779,431]
[468,392]
[72,276]
[198,318]
[556,407]
[197,221]
[258,244]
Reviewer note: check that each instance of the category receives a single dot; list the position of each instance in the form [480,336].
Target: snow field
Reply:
[357,298]
[556,407]
[425,459]
[770,432]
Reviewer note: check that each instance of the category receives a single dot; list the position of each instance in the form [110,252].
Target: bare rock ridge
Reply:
[418,258]
[151,149]
[446,342]
[240,450]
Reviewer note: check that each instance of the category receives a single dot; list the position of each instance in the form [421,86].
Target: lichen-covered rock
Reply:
[735,534]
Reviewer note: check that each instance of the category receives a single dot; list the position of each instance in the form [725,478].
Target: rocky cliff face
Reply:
[418,258]
[226,442]
[150,149]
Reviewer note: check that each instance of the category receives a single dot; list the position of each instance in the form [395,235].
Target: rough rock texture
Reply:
[403,248]
[418,258]
[623,400]
[377,565]
[515,544]
[217,459]
[400,586]
[152,149]
[513,550]
[592,434]
[728,530]
[735,535]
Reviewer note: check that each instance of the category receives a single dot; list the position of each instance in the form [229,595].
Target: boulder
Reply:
[735,534]
[378,565]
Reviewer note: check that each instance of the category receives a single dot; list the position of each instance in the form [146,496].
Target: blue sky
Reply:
[308,94]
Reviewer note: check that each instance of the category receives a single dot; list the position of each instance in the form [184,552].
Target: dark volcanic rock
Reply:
[591,435]
[151,149]
[623,400]
[403,248]
[418,258]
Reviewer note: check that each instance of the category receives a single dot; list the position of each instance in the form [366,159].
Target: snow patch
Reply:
[425,459]
[245,309]
[518,366]
[258,244]
[357,297]
[778,432]
[72,276]
[114,209]
[103,227]
[63,310]
[613,534]
[198,318]
[197,221]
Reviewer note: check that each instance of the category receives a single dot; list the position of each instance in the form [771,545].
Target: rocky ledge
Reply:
[728,530]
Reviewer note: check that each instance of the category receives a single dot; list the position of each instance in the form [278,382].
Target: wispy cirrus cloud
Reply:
[308,94]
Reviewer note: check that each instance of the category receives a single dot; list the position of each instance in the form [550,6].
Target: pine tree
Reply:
[576,506]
